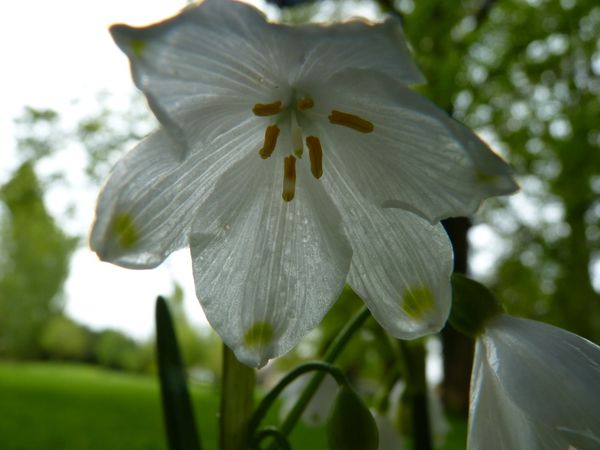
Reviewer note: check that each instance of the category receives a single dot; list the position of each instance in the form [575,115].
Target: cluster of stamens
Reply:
[313,144]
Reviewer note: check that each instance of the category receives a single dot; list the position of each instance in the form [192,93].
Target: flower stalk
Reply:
[333,351]
[267,402]
[237,402]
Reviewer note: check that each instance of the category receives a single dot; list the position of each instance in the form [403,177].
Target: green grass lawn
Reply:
[73,407]
[69,407]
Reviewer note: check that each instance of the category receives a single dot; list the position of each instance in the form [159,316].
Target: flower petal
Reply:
[495,422]
[356,44]
[416,157]
[535,383]
[147,205]
[401,268]
[401,264]
[266,270]
[218,51]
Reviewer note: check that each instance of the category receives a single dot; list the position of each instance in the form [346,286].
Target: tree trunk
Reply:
[457,348]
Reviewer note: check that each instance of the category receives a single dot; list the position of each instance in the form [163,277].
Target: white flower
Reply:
[278,150]
[534,387]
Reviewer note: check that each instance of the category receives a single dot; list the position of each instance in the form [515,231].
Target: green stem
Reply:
[333,351]
[270,398]
[237,402]
[273,433]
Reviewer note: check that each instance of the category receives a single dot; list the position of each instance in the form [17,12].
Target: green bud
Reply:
[351,425]
[472,306]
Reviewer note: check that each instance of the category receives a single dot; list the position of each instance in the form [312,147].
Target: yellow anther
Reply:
[305,103]
[315,152]
[289,178]
[350,121]
[271,134]
[267,109]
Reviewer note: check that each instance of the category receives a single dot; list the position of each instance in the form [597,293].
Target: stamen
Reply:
[315,152]
[267,109]
[271,134]
[305,103]
[350,121]
[289,178]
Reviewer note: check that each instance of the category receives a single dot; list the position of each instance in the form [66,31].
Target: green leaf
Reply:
[351,426]
[177,408]
[473,305]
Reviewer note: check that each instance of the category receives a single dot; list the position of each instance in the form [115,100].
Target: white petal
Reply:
[495,422]
[218,52]
[401,267]
[356,44]
[537,386]
[416,158]
[147,205]
[401,264]
[266,270]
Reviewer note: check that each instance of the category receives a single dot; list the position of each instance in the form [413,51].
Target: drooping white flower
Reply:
[534,387]
[291,160]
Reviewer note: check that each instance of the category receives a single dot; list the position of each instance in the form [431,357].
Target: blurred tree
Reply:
[34,250]
[64,339]
[115,350]
[106,133]
[34,264]
[534,84]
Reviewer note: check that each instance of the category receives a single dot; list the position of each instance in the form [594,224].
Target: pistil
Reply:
[305,103]
[296,132]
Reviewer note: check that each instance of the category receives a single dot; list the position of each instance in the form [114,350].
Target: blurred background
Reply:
[77,366]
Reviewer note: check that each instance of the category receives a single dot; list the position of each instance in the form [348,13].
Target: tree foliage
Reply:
[538,93]
[34,264]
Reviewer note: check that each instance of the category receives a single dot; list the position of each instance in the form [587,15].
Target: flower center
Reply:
[315,152]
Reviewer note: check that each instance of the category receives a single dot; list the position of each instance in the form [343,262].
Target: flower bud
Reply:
[351,425]
[473,305]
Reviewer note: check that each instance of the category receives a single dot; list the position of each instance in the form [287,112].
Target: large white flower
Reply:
[291,160]
[534,387]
